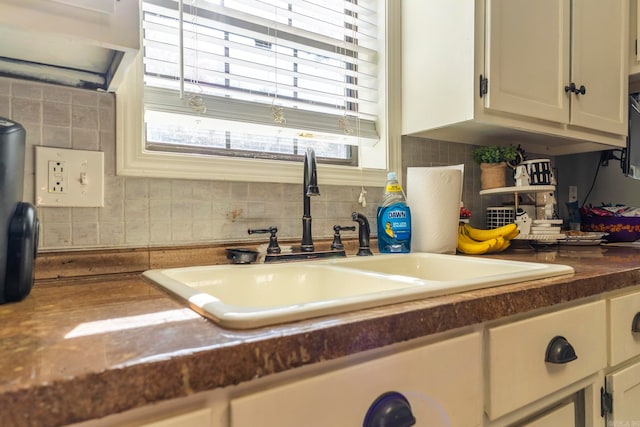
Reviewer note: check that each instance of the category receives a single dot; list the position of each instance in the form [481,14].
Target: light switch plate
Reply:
[69,178]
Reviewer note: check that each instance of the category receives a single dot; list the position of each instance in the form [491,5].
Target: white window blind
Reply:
[272,77]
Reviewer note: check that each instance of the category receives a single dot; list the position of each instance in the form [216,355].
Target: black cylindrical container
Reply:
[12,149]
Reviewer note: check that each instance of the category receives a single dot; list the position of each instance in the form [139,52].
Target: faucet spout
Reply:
[309,188]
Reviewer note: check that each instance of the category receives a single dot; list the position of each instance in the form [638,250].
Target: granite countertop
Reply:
[83,348]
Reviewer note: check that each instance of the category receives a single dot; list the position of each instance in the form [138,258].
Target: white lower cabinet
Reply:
[442,383]
[561,417]
[624,343]
[621,391]
[532,358]
[199,418]
[623,387]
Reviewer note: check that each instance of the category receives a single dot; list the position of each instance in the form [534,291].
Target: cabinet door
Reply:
[634,24]
[442,382]
[527,57]
[561,417]
[624,385]
[599,63]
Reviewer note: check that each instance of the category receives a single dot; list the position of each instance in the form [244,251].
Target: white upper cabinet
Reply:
[511,71]
[599,63]
[540,64]
[528,58]
[634,59]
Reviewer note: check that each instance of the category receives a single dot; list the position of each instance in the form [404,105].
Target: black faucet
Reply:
[363,233]
[307,249]
[309,188]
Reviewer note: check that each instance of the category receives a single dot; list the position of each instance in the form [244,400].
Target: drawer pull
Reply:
[390,409]
[635,325]
[560,351]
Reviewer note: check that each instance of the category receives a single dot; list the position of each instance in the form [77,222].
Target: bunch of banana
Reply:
[476,241]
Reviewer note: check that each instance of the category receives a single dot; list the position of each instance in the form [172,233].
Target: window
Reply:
[250,84]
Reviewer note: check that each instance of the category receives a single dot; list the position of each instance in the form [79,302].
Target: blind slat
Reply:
[246,112]
[233,20]
[317,65]
[236,52]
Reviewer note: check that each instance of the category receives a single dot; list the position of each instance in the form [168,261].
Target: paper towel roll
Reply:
[434,195]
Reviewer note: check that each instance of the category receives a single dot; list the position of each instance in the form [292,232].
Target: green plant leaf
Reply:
[494,154]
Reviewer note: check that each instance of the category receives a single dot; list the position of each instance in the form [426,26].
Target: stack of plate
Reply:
[546,227]
[583,239]
[544,231]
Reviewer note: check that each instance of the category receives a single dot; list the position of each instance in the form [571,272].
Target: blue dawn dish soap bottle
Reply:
[394,219]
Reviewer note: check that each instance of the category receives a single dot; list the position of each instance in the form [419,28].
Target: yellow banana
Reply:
[470,246]
[482,235]
[500,245]
[475,248]
[469,240]
[513,234]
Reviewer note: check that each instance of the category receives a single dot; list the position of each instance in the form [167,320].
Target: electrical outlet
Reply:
[573,193]
[70,178]
[57,182]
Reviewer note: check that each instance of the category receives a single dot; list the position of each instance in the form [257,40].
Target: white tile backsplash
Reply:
[148,211]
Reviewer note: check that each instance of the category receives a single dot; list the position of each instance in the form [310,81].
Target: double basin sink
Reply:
[250,296]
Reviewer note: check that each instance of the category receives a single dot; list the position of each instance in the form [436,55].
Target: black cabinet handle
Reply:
[390,409]
[574,89]
[635,325]
[559,351]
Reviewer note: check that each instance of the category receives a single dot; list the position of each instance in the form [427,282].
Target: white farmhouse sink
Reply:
[248,296]
[462,270]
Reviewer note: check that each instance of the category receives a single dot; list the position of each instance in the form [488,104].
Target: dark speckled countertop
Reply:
[79,349]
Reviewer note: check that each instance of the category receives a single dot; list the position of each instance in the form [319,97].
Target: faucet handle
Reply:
[274,247]
[337,242]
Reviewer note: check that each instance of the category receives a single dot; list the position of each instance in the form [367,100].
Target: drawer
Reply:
[624,343]
[518,373]
[565,416]
[441,381]
[199,418]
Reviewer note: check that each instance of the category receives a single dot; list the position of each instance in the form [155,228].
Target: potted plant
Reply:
[493,161]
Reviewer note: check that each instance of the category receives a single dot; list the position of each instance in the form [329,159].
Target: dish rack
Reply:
[498,216]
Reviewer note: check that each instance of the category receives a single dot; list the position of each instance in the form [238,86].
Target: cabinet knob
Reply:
[390,409]
[559,351]
[570,88]
[635,325]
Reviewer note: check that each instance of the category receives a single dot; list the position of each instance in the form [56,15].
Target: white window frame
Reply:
[132,159]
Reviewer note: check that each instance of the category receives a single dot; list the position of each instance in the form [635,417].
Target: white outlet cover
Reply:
[84,173]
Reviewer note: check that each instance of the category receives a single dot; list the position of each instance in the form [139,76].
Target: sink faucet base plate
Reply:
[299,256]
